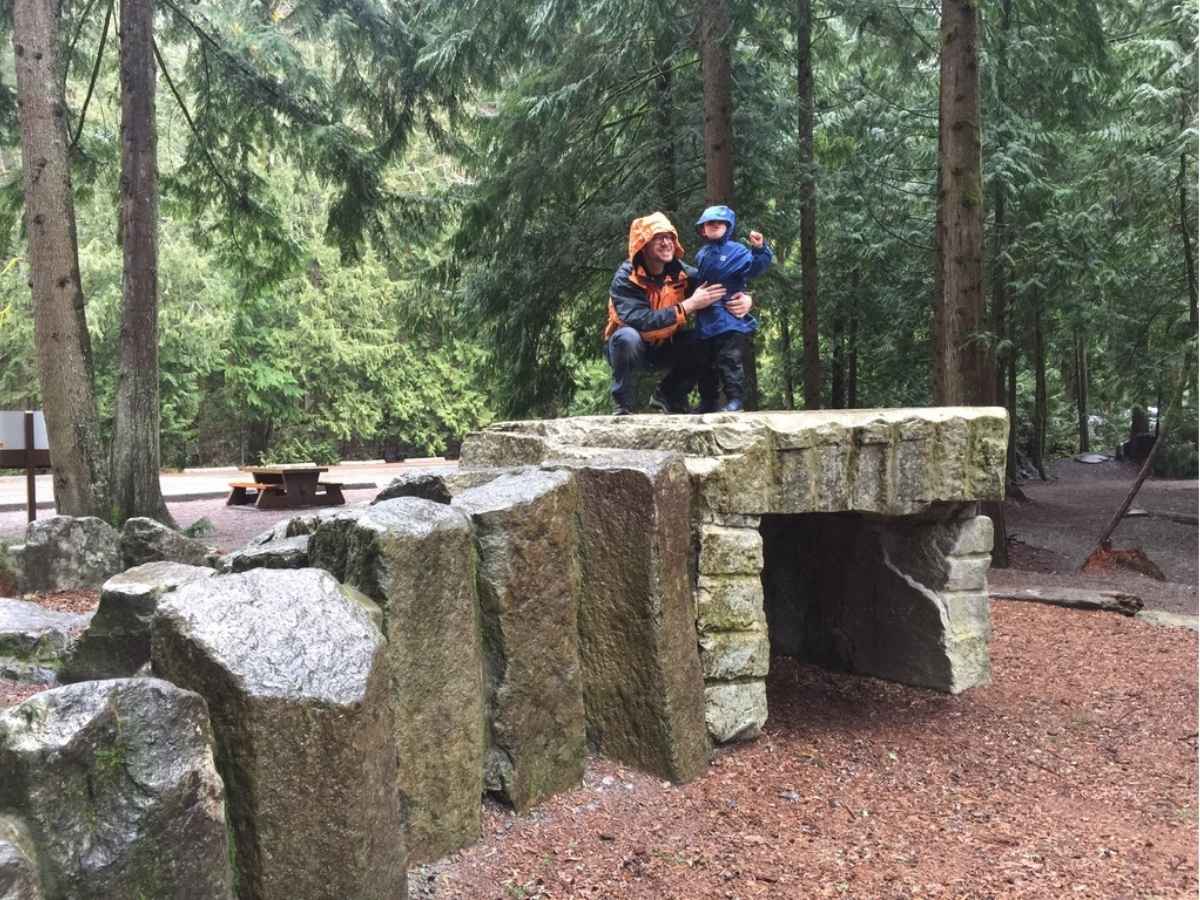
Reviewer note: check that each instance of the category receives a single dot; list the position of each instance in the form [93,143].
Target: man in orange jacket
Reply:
[652,295]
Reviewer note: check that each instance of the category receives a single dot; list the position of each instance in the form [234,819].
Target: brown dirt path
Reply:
[1057,528]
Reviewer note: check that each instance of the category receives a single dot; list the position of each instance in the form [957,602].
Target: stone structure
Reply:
[116,643]
[416,559]
[297,684]
[110,786]
[861,524]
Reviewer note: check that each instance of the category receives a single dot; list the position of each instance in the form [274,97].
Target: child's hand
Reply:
[756,239]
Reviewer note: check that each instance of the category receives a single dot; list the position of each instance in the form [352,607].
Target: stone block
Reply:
[973,536]
[967,573]
[735,711]
[283,553]
[643,688]
[439,483]
[115,783]
[117,640]
[729,603]
[34,641]
[727,655]
[297,683]
[145,540]
[528,577]
[63,553]
[329,541]
[416,559]
[730,551]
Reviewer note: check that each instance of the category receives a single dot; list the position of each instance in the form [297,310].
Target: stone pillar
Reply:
[527,543]
[732,627]
[416,559]
[296,677]
[643,688]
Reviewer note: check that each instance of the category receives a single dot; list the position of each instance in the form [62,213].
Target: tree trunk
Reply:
[1040,398]
[785,361]
[1164,429]
[1081,391]
[136,490]
[716,54]
[663,109]
[960,361]
[808,205]
[1185,225]
[852,356]
[750,364]
[785,342]
[64,353]
[837,375]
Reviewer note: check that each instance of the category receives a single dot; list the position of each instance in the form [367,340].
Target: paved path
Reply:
[196,484]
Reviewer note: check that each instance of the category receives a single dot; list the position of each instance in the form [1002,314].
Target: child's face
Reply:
[714,231]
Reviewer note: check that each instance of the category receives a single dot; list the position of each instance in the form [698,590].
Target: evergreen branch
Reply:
[78,32]
[212,163]
[95,72]
[299,108]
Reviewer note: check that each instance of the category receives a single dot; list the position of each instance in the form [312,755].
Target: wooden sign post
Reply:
[24,445]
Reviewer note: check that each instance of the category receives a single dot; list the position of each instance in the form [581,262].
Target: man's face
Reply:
[714,231]
[662,247]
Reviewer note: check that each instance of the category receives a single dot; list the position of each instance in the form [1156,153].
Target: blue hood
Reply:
[719,214]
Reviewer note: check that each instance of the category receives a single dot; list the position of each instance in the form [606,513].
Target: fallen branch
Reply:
[1075,598]
[1181,518]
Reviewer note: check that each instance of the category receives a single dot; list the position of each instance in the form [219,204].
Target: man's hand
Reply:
[756,239]
[739,304]
[702,298]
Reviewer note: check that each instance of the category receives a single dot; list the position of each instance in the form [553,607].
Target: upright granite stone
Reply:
[526,537]
[145,540]
[643,688]
[116,643]
[416,559]
[34,641]
[63,553]
[296,680]
[115,782]
[19,878]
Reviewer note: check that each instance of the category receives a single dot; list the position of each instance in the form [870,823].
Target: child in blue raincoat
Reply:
[724,261]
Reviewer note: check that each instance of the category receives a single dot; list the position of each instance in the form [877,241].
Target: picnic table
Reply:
[288,486]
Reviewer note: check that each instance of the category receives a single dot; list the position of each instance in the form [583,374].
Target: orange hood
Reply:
[641,230]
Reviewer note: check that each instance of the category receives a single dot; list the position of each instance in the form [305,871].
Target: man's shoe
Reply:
[660,404]
[708,406]
[732,406]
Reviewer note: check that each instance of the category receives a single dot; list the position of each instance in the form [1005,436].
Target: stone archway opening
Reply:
[899,598]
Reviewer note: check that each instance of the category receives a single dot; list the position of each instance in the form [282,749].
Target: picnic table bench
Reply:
[287,486]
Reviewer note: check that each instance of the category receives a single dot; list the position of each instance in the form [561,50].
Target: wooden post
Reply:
[30,480]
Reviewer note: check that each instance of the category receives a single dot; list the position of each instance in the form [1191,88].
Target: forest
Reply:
[366,227]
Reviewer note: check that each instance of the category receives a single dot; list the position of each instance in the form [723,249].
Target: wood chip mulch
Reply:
[68,601]
[1072,775]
